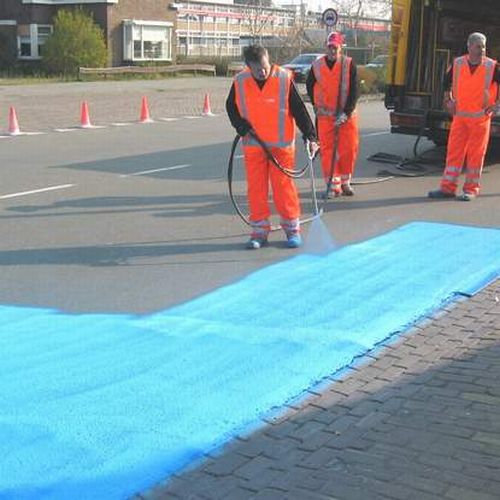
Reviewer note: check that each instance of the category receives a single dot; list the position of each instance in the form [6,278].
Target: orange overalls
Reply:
[326,98]
[470,128]
[268,112]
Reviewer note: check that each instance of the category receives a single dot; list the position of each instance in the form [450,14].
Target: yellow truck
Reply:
[426,36]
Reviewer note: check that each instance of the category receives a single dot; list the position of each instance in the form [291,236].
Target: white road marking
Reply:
[34,191]
[144,172]
[192,117]
[66,129]
[168,119]
[373,134]
[121,124]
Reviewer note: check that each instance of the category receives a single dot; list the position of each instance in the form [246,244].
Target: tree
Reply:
[76,41]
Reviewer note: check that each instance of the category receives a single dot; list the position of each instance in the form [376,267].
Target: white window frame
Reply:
[129,41]
[34,55]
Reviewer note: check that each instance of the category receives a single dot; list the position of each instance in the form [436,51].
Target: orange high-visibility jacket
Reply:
[328,85]
[266,109]
[473,92]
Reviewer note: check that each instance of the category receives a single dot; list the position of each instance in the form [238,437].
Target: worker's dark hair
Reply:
[254,53]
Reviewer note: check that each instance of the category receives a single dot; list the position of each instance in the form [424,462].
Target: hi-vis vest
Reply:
[266,109]
[328,85]
[473,92]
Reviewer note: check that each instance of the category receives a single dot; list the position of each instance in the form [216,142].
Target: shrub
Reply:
[76,41]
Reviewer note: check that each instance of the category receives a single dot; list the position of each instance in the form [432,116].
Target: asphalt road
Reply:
[138,218]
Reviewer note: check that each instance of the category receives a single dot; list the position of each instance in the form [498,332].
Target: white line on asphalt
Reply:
[34,191]
[168,119]
[121,124]
[144,172]
[373,134]
[65,129]
[192,117]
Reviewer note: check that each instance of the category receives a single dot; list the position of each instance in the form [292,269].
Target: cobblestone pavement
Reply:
[418,419]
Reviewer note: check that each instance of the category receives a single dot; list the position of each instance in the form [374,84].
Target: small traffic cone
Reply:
[145,116]
[206,106]
[84,116]
[13,123]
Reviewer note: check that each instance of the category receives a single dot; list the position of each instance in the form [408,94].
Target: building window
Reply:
[30,40]
[147,40]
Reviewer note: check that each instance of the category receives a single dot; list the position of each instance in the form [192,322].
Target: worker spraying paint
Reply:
[263,106]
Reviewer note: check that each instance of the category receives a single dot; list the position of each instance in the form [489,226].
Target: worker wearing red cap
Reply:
[333,90]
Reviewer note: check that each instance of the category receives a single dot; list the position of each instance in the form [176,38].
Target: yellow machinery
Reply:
[426,36]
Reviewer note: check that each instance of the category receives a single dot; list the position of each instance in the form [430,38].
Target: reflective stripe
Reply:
[457,65]
[317,65]
[283,76]
[249,141]
[240,78]
[290,225]
[466,114]
[344,84]
[260,227]
[453,169]
[451,178]
[346,177]
[322,111]
[488,80]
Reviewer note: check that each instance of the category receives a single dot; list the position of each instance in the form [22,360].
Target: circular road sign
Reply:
[330,17]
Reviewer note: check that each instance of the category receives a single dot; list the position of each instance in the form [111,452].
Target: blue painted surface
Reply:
[102,406]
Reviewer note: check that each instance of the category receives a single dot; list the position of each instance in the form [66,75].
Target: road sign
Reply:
[330,17]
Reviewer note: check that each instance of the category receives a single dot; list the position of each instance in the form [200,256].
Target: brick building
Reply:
[135,30]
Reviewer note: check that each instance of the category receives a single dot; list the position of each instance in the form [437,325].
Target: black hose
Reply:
[294,174]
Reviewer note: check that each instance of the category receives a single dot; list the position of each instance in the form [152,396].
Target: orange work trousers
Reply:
[260,172]
[347,149]
[467,146]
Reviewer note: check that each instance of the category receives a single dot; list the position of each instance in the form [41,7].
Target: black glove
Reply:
[243,128]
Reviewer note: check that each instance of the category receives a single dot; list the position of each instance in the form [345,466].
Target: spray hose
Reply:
[292,173]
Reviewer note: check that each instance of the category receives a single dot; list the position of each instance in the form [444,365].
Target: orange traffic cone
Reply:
[84,116]
[13,123]
[206,106]
[145,116]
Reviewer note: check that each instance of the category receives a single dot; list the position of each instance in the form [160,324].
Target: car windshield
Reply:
[304,59]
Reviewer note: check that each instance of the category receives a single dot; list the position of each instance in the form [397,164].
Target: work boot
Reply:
[439,194]
[256,242]
[347,190]
[467,197]
[293,240]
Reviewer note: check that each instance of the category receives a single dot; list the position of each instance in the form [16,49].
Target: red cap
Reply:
[335,38]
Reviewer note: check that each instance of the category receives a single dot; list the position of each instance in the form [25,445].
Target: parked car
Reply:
[378,62]
[301,64]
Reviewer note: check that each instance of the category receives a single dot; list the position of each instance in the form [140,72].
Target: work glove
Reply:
[312,148]
[451,106]
[341,119]
[243,128]
[493,110]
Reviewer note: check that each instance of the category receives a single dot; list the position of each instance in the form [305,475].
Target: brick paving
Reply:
[418,419]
